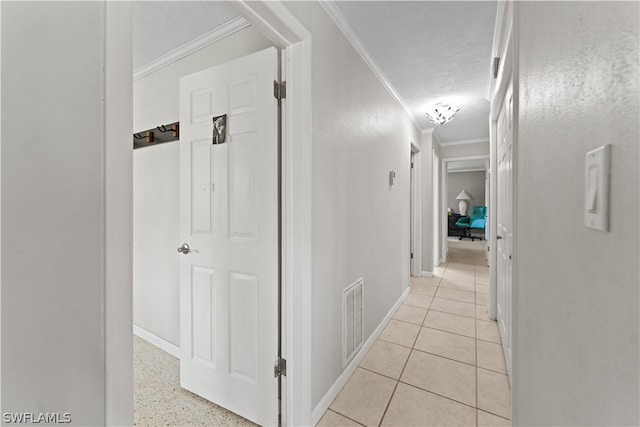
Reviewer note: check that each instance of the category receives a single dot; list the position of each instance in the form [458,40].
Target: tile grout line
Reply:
[443,396]
[412,348]
[389,402]
[476,345]
[378,373]
[455,360]
[406,361]
[342,415]
[402,372]
[455,314]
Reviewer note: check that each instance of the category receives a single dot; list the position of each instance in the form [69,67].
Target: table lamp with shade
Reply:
[463,197]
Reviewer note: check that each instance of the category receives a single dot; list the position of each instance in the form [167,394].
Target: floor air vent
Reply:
[352,321]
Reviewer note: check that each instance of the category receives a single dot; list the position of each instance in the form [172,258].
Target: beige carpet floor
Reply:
[467,252]
[160,401]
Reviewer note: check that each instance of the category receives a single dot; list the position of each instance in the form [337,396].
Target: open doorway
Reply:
[467,203]
[464,198]
[159,228]
[156,296]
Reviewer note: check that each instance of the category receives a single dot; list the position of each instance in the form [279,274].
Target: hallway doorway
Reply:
[467,251]
[455,174]
[292,261]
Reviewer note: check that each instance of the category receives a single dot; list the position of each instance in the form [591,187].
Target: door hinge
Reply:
[279,90]
[496,66]
[280,368]
[411,255]
[411,165]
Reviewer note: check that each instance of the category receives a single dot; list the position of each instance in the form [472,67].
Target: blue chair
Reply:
[477,221]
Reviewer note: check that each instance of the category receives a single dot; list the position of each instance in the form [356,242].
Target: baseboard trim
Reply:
[161,343]
[333,391]
[427,274]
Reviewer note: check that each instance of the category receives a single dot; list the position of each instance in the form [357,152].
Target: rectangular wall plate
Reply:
[596,188]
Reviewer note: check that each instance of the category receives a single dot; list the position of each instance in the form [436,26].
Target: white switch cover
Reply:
[596,188]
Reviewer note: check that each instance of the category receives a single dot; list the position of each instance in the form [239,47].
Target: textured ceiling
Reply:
[162,26]
[429,50]
[432,51]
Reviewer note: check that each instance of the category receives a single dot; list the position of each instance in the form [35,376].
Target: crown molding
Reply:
[343,24]
[465,142]
[427,131]
[466,170]
[218,33]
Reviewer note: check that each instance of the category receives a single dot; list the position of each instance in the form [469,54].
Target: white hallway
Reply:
[66,310]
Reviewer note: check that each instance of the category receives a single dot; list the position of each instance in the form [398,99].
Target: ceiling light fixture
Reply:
[442,113]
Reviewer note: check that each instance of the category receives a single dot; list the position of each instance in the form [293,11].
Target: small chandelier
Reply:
[442,113]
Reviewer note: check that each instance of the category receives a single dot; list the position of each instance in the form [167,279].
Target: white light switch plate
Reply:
[596,188]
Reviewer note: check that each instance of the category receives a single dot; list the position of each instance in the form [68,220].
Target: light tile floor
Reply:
[438,362]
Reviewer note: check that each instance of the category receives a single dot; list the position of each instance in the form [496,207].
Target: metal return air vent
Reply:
[352,320]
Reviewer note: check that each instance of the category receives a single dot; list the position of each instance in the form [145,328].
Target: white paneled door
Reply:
[229,220]
[504,232]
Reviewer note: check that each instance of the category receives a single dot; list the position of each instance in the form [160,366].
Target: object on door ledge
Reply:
[219,129]
[158,135]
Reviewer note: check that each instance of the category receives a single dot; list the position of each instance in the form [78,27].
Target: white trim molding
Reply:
[466,141]
[495,50]
[117,183]
[280,26]
[333,391]
[218,33]
[161,343]
[343,24]
[427,274]
[467,170]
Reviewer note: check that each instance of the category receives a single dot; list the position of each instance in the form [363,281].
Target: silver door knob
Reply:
[184,249]
[497,237]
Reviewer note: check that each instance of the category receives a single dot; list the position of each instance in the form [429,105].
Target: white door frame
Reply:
[437,229]
[416,211]
[505,47]
[281,27]
[444,232]
[286,32]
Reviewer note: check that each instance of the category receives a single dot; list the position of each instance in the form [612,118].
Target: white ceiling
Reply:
[432,51]
[162,26]
[429,50]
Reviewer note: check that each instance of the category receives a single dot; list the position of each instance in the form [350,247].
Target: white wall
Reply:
[472,182]
[450,151]
[577,313]
[58,262]
[155,237]
[156,178]
[360,224]
[427,146]
[155,97]
[417,222]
